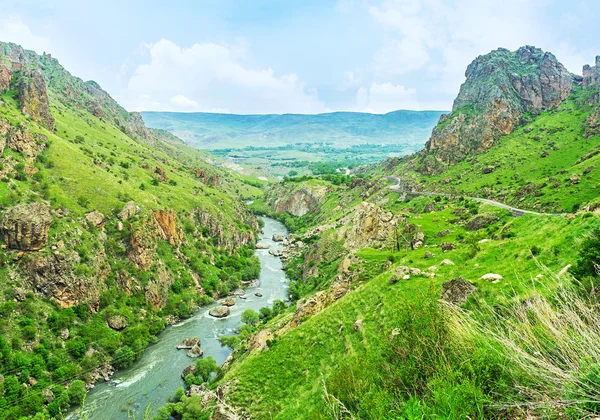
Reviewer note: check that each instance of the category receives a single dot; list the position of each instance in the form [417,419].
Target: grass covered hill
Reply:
[342,129]
[108,231]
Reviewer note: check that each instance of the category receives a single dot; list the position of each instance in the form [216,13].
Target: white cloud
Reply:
[452,33]
[214,76]
[380,98]
[13,29]
[183,102]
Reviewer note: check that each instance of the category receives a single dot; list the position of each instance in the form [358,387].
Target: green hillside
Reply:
[423,302]
[109,232]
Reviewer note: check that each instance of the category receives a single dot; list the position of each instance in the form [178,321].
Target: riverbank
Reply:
[157,374]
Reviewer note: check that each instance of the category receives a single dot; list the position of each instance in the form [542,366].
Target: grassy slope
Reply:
[287,380]
[518,164]
[91,164]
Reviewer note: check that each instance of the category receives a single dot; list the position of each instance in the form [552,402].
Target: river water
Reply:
[157,375]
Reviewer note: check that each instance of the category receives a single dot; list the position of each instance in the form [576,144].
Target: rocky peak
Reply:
[591,79]
[500,87]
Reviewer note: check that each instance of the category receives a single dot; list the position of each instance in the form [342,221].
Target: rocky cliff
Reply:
[501,87]
[298,202]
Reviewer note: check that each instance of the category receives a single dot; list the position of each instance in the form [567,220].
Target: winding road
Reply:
[514,211]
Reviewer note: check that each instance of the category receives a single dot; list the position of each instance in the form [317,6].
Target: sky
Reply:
[292,56]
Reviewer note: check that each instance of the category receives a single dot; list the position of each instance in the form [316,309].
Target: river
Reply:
[157,374]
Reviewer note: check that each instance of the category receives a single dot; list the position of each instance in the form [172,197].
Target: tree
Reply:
[124,357]
[250,317]
[265,312]
[76,392]
[204,368]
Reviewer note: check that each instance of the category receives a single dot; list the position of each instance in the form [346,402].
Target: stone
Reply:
[447,246]
[494,278]
[258,294]
[96,219]
[117,322]
[358,324]
[428,255]
[446,262]
[228,302]
[188,343]
[128,210]
[278,237]
[25,227]
[457,291]
[120,226]
[262,245]
[161,174]
[195,351]
[219,312]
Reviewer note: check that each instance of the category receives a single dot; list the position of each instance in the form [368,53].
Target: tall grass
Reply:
[551,344]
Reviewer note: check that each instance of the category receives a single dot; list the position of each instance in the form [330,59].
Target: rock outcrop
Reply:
[370,226]
[457,291]
[303,201]
[500,88]
[95,218]
[168,226]
[54,277]
[34,98]
[25,226]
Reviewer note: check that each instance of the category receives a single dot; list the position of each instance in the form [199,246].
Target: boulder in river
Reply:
[258,294]
[238,292]
[262,245]
[190,369]
[195,351]
[220,312]
[188,343]
[278,237]
[229,301]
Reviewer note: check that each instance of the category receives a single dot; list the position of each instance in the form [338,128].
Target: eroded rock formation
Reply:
[500,88]
[25,226]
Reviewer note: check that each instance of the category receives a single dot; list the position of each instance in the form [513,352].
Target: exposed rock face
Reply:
[314,304]
[370,225]
[457,291]
[25,227]
[301,202]
[219,312]
[500,87]
[34,98]
[228,236]
[592,126]
[141,250]
[168,226]
[21,139]
[591,78]
[117,322]
[53,276]
[5,77]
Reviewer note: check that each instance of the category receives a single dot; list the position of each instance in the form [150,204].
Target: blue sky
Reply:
[266,56]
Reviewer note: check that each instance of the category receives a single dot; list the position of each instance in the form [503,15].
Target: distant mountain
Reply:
[218,131]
